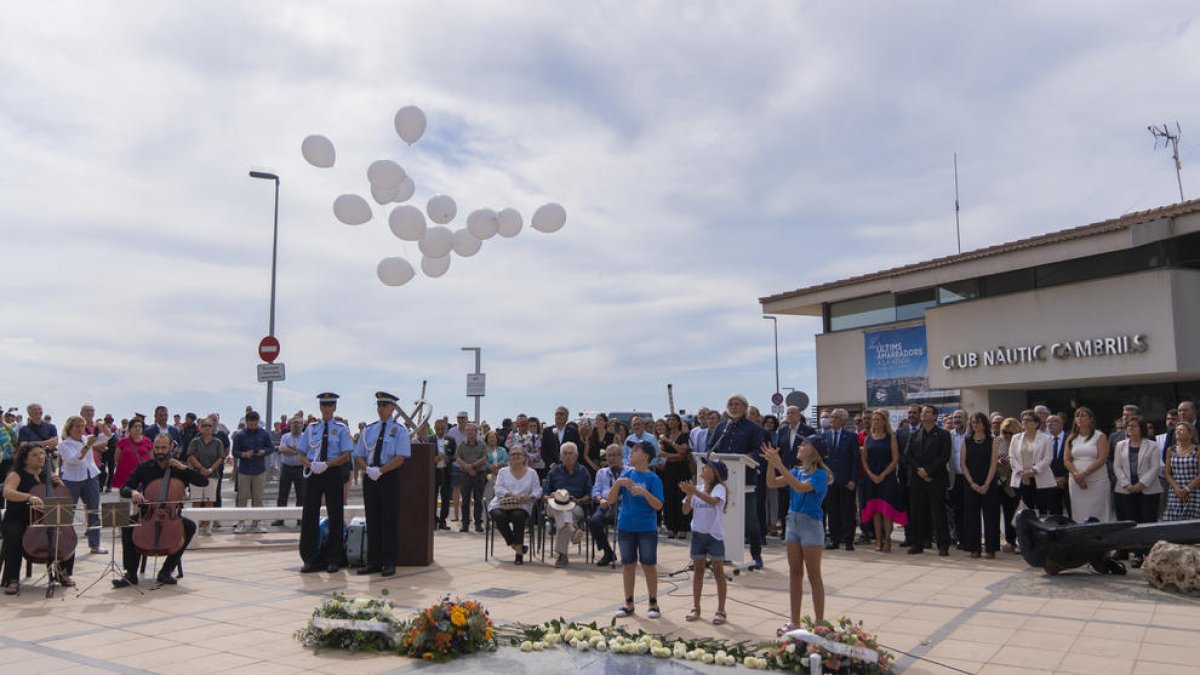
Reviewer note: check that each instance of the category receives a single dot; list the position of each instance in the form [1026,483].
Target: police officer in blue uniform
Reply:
[328,446]
[382,448]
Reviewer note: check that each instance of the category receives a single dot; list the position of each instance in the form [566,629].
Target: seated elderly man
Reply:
[605,513]
[571,476]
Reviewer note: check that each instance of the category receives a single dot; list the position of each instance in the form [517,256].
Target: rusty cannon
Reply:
[1056,543]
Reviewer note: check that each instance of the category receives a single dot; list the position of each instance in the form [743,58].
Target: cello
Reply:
[49,544]
[160,525]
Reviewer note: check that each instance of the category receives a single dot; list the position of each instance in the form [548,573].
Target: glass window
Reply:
[957,291]
[912,304]
[1006,282]
[859,312]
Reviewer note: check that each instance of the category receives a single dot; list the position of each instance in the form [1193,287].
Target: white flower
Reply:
[720,653]
[361,602]
[804,661]
[539,646]
[656,644]
[527,646]
[749,661]
[601,646]
[582,646]
[791,648]
[707,658]
[574,642]
[661,652]
[597,640]
[692,655]
[760,662]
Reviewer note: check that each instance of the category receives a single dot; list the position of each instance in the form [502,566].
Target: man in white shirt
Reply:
[958,437]
[698,436]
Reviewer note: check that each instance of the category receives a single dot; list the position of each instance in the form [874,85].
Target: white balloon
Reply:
[437,243]
[410,123]
[441,209]
[407,223]
[395,271]
[483,224]
[548,218]
[509,222]
[351,209]
[383,195]
[318,151]
[405,190]
[465,244]
[435,267]
[385,173]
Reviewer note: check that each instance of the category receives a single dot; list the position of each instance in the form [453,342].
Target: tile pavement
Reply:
[242,598]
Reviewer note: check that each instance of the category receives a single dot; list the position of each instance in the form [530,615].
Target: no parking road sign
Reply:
[268,349]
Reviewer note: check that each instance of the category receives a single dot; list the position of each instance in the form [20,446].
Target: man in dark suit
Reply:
[904,434]
[841,502]
[1187,413]
[445,447]
[926,458]
[162,425]
[739,435]
[562,432]
[1061,501]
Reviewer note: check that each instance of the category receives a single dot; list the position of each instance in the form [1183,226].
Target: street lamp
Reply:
[775,322]
[274,259]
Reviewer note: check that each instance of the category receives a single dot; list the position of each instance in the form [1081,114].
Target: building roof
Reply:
[1103,227]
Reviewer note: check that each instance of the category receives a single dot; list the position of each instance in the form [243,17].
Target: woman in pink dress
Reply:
[131,451]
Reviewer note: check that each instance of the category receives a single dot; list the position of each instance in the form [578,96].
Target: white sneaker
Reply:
[653,613]
[260,528]
[239,528]
[100,550]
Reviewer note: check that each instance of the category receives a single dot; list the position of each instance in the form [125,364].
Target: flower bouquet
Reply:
[615,639]
[448,629]
[357,624]
[842,648]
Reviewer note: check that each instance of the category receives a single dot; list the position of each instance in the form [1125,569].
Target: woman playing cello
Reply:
[27,474]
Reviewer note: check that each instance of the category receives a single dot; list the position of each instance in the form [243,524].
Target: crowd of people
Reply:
[948,479]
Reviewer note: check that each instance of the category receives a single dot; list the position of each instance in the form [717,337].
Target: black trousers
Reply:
[841,505]
[220,480]
[1138,507]
[1042,500]
[14,554]
[981,508]
[954,504]
[381,500]
[927,511]
[672,510]
[443,487]
[329,486]
[511,523]
[754,535]
[472,493]
[597,523]
[131,556]
[5,467]
[1008,507]
[290,477]
[1055,498]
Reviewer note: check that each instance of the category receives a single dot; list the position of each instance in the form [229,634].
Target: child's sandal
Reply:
[694,614]
[719,618]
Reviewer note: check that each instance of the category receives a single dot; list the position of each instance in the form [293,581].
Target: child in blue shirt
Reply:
[639,491]
[809,482]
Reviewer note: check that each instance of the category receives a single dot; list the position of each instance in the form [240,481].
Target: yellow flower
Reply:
[487,635]
[458,617]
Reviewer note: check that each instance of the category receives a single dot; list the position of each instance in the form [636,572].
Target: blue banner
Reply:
[897,366]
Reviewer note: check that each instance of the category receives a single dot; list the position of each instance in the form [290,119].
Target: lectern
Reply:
[735,511]
[416,507]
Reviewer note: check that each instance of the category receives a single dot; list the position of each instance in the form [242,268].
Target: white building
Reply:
[1099,315]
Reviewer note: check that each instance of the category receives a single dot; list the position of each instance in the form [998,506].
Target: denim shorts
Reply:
[805,530]
[707,546]
[638,547]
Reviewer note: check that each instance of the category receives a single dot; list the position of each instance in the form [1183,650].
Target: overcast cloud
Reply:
[707,153]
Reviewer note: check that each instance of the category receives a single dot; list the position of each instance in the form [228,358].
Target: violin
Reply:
[160,526]
[48,544]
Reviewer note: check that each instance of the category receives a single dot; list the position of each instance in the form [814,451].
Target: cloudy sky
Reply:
[707,154]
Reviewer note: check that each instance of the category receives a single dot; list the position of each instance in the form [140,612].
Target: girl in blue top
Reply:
[809,481]
[640,493]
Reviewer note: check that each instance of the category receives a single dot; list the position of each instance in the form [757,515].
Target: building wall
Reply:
[841,368]
[1141,303]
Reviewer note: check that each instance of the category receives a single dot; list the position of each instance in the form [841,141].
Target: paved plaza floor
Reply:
[242,598]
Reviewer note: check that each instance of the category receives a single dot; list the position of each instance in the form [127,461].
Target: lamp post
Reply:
[274,259]
[775,323]
[478,352]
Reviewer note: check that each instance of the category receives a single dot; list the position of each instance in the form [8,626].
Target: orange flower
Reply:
[427,656]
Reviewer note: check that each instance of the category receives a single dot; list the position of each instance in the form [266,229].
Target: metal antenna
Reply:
[1165,135]
[957,230]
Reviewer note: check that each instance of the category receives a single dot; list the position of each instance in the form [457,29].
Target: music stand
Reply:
[113,516]
[56,512]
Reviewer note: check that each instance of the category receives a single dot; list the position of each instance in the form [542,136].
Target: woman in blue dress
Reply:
[881,489]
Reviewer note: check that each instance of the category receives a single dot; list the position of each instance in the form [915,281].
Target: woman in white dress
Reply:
[1086,458]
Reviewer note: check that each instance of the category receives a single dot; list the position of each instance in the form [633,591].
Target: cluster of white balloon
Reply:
[391,185]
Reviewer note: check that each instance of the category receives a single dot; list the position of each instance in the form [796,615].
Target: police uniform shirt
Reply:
[395,442]
[339,440]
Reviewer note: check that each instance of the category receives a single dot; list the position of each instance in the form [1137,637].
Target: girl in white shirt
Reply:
[706,503]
